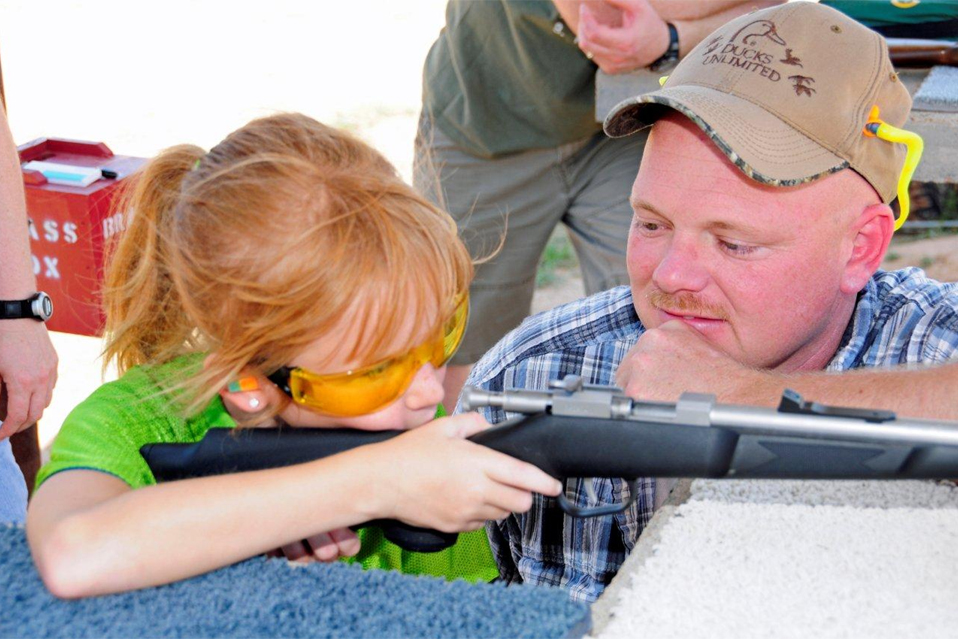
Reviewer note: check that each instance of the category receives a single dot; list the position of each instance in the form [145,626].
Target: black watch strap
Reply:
[671,54]
[15,309]
[38,307]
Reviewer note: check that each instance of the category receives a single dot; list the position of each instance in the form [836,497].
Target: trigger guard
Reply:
[572,510]
[416,539]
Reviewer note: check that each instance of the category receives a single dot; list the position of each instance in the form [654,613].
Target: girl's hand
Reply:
[325,547]
[433,477]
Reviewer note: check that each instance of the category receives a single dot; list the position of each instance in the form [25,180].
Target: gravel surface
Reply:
[799,559]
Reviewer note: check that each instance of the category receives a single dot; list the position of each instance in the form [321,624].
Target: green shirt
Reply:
[105,433]
[507,76]
[882,13]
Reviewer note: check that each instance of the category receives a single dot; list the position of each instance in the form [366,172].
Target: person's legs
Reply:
[13,490]
[601,175]
[515,201]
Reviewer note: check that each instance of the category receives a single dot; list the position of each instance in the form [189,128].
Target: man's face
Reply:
[759,271]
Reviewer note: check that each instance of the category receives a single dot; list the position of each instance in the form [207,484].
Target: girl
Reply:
[290,250]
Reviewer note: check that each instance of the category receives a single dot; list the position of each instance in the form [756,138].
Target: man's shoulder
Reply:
[913,284]
[602,324]
[910,297]
[901,317]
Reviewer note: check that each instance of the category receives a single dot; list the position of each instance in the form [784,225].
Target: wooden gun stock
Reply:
[908,52]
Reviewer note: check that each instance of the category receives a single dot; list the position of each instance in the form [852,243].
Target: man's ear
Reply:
[871,234]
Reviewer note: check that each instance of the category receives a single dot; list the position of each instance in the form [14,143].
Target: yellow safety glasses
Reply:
[368,389]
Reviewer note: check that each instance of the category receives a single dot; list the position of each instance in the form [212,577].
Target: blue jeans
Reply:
[13,490]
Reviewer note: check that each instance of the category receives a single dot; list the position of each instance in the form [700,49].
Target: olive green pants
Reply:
[518,200]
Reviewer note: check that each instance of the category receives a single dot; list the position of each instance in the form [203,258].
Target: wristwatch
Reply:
[38,307]
[670,58]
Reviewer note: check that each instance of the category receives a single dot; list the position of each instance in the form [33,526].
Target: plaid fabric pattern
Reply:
[900,317]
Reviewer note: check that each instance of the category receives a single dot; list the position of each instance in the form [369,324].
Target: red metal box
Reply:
[70,226]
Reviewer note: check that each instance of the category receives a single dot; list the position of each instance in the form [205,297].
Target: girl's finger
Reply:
[510,499]
[323,547]
[490,513]
[465,425]
[522,475]
[346,540]
[296,551]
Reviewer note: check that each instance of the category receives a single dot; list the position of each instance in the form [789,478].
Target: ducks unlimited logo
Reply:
[744,51]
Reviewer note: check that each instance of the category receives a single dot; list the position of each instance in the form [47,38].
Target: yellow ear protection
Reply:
[914,144]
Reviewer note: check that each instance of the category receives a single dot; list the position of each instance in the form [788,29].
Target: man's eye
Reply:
[649,227]
[736,249]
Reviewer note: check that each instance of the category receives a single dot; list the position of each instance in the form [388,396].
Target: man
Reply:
[28,363]
[760,220]
[510,147]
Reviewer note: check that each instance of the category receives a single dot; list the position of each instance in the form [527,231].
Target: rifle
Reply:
[912,52]
[581,430]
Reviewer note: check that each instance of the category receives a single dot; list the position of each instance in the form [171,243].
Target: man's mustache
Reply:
[685,305]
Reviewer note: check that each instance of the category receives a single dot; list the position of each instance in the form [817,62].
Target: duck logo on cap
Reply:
[758,29]
[801,83]
[744,50]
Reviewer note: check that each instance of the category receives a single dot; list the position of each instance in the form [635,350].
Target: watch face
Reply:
[41,306]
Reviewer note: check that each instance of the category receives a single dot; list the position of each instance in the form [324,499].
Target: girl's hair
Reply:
[264,244]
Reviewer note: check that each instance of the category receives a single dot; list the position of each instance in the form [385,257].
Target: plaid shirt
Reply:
[900,317]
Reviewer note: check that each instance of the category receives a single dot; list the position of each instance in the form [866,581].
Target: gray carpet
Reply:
[268,598]
[938,91]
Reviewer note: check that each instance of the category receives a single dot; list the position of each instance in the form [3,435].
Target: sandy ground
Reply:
[938,256]
[143,76]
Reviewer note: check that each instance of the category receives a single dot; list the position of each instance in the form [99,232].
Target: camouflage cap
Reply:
[785,93]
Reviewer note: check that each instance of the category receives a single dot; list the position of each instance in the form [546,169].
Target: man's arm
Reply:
[673,359]
[624,35]
[927,392]
[28,363]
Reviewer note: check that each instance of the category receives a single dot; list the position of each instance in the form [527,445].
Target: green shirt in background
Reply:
[884,13]
[105,433]
[506,76]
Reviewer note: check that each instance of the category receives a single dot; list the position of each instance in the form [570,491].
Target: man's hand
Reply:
[673,358]
[28,373]
[636,40]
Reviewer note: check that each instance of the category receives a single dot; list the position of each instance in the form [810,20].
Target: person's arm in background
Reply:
[624,35]
[28,363]
[674,359]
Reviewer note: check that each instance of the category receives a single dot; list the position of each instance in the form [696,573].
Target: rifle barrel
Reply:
[764,421]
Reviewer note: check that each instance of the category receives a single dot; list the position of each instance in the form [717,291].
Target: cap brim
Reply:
[763,146]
